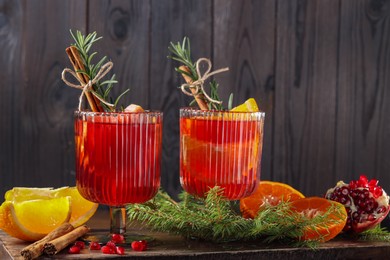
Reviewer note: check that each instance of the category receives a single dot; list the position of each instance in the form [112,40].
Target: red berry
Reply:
[108,250]
[117,238]
[139,245]
[120,250]
[94,246]
[80,244]
[74,250]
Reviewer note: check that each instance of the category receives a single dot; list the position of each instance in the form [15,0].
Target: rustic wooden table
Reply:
[173,247]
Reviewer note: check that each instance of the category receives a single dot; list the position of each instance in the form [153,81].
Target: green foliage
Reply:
[214,219]
[375,234]
[102,89]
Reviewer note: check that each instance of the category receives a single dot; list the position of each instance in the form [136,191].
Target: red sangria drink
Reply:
[220,148]
[118,159]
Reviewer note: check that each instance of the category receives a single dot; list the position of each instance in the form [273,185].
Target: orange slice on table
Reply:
[314,206]
[267,193]
[81,209]
[32,220]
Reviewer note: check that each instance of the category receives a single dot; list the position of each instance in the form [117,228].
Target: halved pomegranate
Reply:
[367,204]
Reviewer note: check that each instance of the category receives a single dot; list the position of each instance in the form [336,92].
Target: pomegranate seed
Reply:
[373,183]
[80,244]
[345,191]
[120,250]
[117,238]
[377,192]
[111,244]
[74,250]
[108,250]
[363,179]
[94,246]
[381,209]
[139,245]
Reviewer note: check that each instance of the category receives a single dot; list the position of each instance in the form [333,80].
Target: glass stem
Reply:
[117,220]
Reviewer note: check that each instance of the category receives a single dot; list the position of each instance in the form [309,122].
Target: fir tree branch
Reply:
[214,219]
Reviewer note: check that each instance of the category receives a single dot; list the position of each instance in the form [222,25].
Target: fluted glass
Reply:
[220,148]
[118,158]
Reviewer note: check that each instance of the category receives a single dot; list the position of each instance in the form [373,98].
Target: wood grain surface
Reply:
[320,70]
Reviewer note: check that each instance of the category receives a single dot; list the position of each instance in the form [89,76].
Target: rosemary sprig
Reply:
[181,52]
[102,89]
[213,219]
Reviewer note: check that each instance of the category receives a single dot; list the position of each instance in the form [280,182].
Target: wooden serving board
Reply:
[174,247]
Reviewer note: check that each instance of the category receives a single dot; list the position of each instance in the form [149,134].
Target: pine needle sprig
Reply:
[214,219]
[377,233]
[84,44]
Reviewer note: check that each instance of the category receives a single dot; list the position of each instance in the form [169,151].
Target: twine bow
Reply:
[198,84]
[87,87]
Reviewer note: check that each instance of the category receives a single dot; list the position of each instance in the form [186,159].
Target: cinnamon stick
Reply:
[54,246]
[75,59]
[36,249]
[198,98]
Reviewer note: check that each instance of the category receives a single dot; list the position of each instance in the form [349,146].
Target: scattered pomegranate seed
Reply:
[80,244]
[74,250]
[108,250]
[139,245]
[94,246]
[111,244]
[117,238]
[120,250]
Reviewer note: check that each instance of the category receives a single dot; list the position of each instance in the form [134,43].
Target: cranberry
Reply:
[94,246]
[139,245]
[74,250]
[120,250]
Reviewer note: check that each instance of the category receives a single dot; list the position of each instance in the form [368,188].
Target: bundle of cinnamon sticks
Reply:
[55,241]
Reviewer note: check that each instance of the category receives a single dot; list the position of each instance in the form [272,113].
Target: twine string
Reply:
[87,87]
[198,85]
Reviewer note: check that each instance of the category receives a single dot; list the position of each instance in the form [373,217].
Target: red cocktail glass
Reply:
[118,158]
[220,148]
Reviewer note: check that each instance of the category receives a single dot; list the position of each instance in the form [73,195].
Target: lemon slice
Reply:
[248,106]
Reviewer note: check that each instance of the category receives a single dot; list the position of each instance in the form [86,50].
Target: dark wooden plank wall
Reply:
[319,69]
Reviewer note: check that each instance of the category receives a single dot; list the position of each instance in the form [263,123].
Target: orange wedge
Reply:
[81,209]
[32,220]
[314,206]
[248,106]
[267,193]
